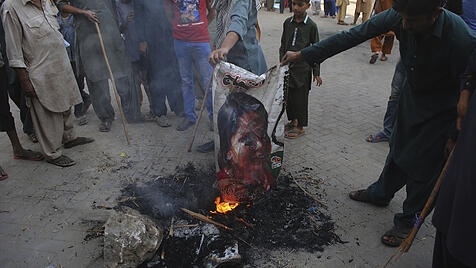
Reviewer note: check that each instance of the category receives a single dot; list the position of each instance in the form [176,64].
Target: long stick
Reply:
[113,83]
[407,242]
[207,90]
[205,219]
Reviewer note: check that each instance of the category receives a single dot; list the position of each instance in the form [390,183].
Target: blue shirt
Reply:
[247,52]
[69,33]
[469,13]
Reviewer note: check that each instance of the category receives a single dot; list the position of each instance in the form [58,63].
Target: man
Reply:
[365,7]
[156,42]
[92,59]
[376,43]
[454,218]
[342,12]
[7,123]
[236,33]
[36,51]
[192,47]
[433,44]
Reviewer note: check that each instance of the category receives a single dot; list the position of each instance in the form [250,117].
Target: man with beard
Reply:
[434,46]
[155,34]
[87,13]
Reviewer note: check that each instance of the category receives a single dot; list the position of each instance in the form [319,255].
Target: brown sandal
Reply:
[294,133]
[62,161]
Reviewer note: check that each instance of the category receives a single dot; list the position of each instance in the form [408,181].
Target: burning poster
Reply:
[247,110]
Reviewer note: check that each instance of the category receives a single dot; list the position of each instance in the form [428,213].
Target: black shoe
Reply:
[207,147]
[185,124]
[373,58]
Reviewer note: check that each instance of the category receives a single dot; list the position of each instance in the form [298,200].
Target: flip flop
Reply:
[376,138]
[395,236]
[363,196]
[30,155]
[3,174]
[294,133]
[289,126]
[62,161]
[78,141]
[383,58]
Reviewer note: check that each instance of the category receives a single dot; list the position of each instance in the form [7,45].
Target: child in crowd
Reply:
[299,32]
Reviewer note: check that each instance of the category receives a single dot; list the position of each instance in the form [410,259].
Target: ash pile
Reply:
[183,207]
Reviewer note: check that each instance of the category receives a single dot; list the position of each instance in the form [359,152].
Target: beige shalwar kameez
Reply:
[34,43]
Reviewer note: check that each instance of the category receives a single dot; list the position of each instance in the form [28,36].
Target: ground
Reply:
[45,211]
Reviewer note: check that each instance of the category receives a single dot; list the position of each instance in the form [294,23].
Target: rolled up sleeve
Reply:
[13,39]
[239,18]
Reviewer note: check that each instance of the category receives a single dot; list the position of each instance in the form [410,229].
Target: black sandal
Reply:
[78,141]
[395,236]
[62,161]
[3,174]
[363,196]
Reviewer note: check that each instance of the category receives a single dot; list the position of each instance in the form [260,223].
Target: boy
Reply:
[299,32]
[192,45]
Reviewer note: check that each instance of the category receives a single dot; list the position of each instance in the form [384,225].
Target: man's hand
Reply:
[291,57]
[318,80]
[143,48]
[130,16]
[450,144]
[27,87]
[462,107]
[91,15]
[217,55]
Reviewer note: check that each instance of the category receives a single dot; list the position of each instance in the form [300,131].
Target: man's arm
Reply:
[65,7]
[316,68]
[139,16]
[468,85]
[13,39]
[169,10]
[389,20]
[282,48]
[211,11]
[235,32]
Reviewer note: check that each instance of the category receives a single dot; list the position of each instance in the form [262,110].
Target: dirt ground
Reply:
[46,211]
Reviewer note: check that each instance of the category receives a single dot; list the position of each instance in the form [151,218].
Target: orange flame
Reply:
[224,207]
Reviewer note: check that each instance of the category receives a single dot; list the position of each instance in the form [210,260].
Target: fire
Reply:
[224,207]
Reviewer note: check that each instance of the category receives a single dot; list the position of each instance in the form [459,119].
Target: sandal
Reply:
[29,155]
[373,58]
[289,126]
[383,58]
[62,161]
[78,141]
[33,137]
[395,236]
[376,138]
[105,126]
[294,133]
[3,174]
[363,196]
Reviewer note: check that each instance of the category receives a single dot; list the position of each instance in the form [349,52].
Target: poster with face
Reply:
[246,113]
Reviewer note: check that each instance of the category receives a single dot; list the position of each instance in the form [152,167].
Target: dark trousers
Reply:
[79,109]
[330,7]
[442,258]
[297,105]
[101,99]
[12,88]
[391,180]
[164,83]
[398,82]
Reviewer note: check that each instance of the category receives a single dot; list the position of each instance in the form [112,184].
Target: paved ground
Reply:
[45,211]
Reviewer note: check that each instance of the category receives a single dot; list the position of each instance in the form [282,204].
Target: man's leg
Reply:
[388,44]
[391,180]
[332,7]
[129,99]
[185,54]
[375,47]
[398,82]
[205,69]
[101,100]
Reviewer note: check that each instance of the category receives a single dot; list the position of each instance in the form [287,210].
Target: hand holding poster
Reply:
[247,108]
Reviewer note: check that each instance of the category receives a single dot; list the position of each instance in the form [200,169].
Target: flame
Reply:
[224,207]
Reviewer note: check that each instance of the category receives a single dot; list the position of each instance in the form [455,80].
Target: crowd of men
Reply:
[436,69]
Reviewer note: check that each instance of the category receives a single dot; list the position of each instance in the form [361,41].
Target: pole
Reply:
[207,90]
[113,83]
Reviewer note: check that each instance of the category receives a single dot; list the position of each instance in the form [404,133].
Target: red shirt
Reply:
[190,21]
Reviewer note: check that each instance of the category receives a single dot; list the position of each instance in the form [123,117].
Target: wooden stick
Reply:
[407,242]
[205,219]
[310,195]
[207,90]
[113,83]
